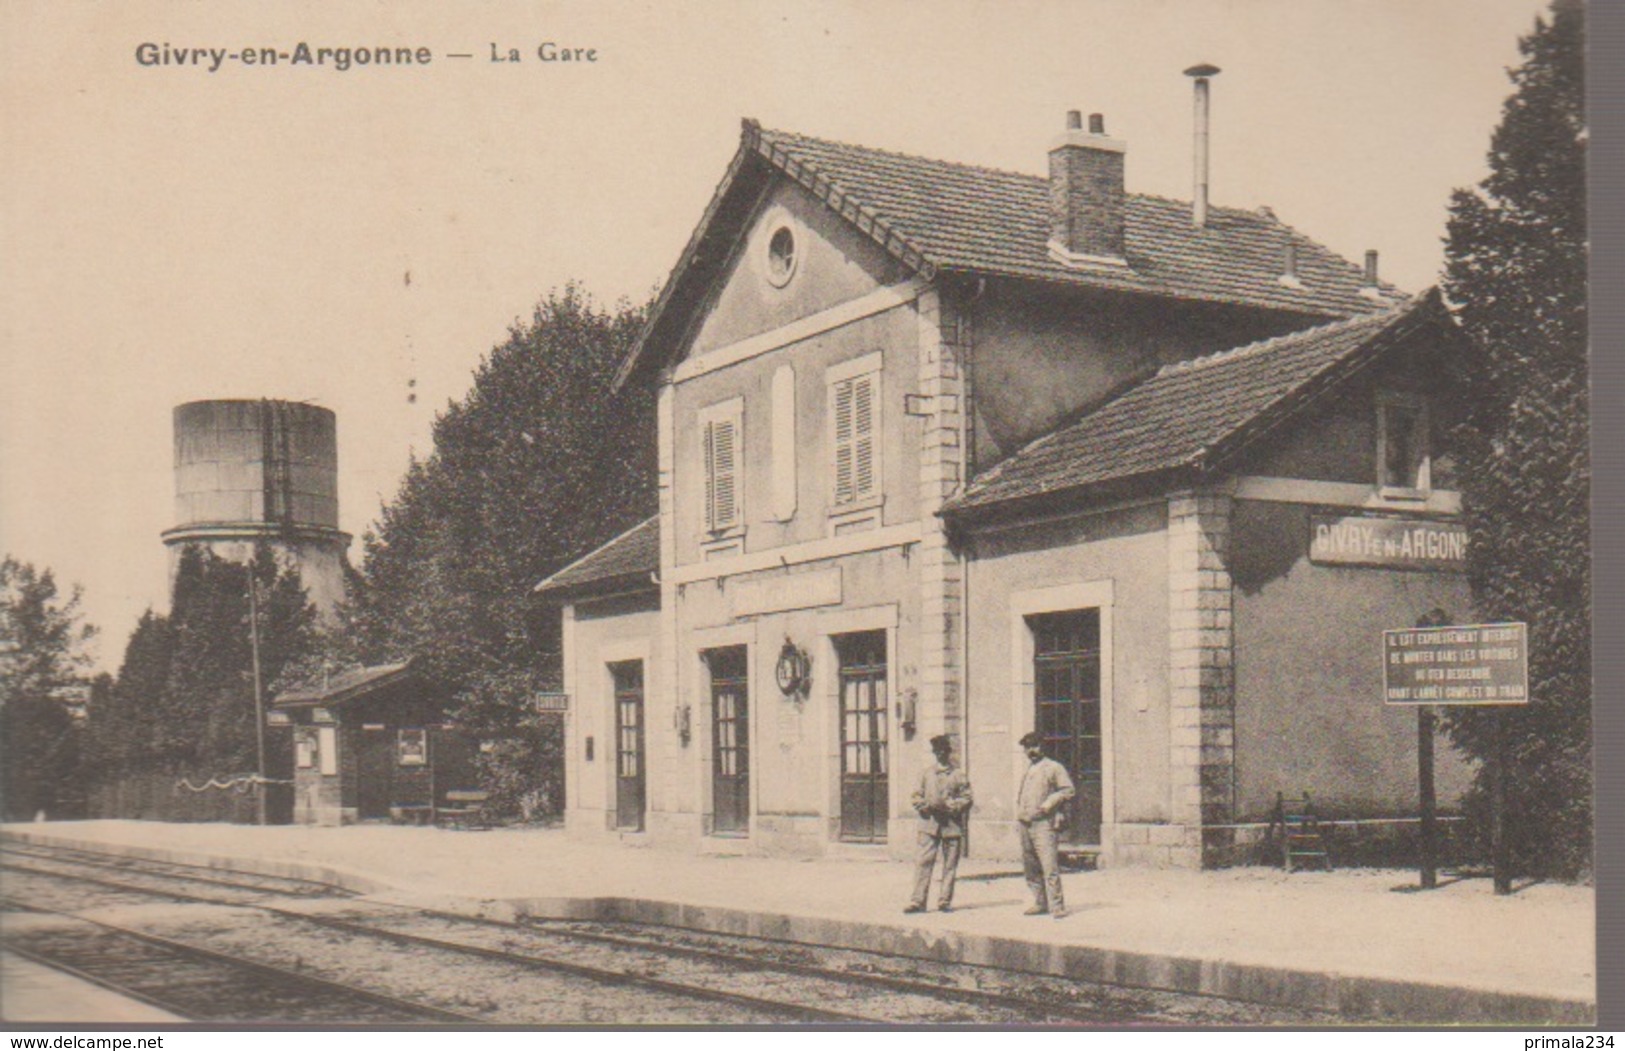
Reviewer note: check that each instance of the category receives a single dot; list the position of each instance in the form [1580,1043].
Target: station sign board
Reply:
[548,701]
[1390,543]
[1456,664]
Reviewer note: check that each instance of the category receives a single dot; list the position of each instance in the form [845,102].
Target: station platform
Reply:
[1364,943]
[31,992]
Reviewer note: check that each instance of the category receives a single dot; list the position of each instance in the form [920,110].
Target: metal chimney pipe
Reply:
[1074,120]
[1201,74]
[1371,268]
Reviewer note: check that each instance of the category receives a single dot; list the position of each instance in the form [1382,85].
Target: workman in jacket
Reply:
[942,800]
[1046,788]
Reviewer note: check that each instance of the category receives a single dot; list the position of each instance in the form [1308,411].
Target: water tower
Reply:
[261,471]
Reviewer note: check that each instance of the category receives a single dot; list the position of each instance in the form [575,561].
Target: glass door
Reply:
[864,756]
[730,741]
[1066,680]
[629,757]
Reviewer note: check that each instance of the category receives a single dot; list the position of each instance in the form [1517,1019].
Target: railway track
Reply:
[201,985]
[574,971]
[104,961]
[234,886]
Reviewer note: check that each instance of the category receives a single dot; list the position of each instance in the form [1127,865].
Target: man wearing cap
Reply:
[942,800]
[1045,789]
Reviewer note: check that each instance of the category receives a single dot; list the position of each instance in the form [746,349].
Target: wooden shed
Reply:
[374,744]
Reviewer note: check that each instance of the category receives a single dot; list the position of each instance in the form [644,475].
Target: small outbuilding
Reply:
[374,744]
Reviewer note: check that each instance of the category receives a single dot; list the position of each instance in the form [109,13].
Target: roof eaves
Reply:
[548,583]
[840,201]
[374,678]
[635,583]
[1163,291]
[972,513]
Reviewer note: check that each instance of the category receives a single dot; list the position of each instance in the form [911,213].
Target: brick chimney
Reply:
[1086,194]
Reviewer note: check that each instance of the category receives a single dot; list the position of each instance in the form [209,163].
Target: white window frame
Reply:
[732,413]
[1412,403]
[869,367]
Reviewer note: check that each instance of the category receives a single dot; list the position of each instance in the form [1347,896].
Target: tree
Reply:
[42,662]
[1516,276]
[41,637]
[535,466]
[206,721]
[182,704]
[126,730]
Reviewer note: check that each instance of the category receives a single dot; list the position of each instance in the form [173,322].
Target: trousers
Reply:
[1041,864]
[950,848]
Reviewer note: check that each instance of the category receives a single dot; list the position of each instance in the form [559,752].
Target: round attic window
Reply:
[781,256]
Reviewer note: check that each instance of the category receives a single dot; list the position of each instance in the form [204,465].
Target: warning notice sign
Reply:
[1461,664]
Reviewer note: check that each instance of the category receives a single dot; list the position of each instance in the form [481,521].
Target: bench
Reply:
[464,809]
[411,814]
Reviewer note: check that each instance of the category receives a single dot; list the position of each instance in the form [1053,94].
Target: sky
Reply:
[172,233]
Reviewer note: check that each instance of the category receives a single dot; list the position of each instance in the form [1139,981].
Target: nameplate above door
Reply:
[776,594]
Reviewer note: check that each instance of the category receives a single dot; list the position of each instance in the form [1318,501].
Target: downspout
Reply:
[968,367]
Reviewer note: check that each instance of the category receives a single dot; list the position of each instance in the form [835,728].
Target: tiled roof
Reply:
[356,682]
[986,221]
[1187,415]
[938,216]
[631,558]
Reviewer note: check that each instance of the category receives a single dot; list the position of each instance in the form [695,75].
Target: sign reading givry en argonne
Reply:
[1396,543]
[1460,664]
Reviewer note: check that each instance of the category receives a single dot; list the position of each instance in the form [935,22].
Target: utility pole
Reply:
[259,696]
[1499,861]
[1426,722]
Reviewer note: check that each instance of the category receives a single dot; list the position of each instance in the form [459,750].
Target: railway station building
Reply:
[949,450]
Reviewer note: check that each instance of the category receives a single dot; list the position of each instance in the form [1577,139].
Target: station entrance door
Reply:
[865,759]
[730,741]
[1066,692]
[630,777]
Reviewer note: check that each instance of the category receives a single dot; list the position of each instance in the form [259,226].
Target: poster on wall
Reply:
[1456,664]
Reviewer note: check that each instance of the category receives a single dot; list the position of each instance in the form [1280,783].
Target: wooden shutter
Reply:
[863,437]
[855,438]
[845,492]
[721,474]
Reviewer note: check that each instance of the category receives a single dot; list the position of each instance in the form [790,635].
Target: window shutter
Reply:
[710,476]
[844,468]
[721,474]
[863,438]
